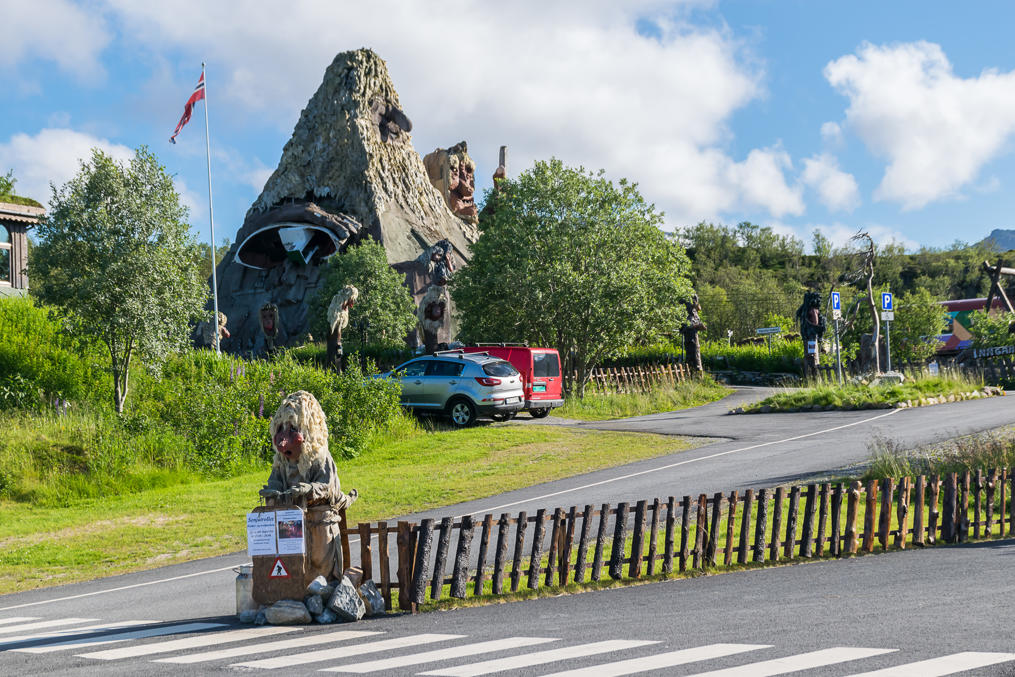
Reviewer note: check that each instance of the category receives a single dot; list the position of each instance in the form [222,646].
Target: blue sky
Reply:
[893,117]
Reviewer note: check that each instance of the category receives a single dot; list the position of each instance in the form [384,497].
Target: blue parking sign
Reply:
[886,301]
[836,301]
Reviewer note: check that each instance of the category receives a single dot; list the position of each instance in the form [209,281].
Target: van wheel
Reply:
[539,413]
[461,412]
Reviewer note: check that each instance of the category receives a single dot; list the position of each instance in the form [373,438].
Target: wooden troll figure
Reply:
[304,472]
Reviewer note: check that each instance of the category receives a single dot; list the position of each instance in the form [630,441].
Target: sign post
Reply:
[768,333]
[888,315]
[837,315]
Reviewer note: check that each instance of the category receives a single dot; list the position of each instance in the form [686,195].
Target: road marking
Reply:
[206,639]
[121,636]
[294,643]
[945,665]
[46,624]
[342,652]
[69,632]
[804,661]
[679,463]
[539,658]
[664,660]
[18,619]
[442,654]
[125,587]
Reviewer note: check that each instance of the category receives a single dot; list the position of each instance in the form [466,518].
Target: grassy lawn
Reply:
[604,406]
[87,538]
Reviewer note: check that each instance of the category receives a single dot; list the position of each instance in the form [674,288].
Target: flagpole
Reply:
[211,217]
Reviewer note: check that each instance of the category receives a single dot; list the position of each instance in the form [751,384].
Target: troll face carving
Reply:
[391,122]
[453,173]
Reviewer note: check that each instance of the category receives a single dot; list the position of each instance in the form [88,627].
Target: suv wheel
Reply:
[461,412]
[539,413]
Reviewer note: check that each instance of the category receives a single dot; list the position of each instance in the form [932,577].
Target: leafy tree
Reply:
[991,330]
[918,321]
[568,259]
[7,182]
[116,256]
[204,256]
[383,299]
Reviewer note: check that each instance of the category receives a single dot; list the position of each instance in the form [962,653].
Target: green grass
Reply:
[860,396]
[81,538]
[983,451]
[604,406]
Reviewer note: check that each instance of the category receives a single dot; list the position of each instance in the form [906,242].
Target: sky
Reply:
[896,118]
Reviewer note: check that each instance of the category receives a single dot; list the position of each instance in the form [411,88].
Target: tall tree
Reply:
[570,260]
[116,255]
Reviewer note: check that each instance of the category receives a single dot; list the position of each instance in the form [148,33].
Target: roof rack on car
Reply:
[524,344]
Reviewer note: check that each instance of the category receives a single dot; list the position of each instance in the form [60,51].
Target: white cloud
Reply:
[831,133]
[52,156]
[837,189]
[839,234]
[53,30]
[540,77]
[936,129]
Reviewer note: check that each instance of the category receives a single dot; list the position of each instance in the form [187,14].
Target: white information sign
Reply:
[812,347]
[289,526]
[888,315]
[261,533]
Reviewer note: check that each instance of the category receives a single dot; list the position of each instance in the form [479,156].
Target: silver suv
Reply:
[463,386]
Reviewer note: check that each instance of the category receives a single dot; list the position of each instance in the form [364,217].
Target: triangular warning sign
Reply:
[278,569]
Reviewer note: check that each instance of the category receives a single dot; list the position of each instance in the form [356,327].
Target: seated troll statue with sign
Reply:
[304,474]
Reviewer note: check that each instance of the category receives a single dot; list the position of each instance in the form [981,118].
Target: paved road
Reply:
[924,604]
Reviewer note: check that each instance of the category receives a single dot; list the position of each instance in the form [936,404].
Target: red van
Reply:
[540,370]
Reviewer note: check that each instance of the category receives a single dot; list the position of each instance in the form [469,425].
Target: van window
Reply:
[499,368]
[441,368]
[545,364]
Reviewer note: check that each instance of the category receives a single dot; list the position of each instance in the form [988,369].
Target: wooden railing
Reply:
[639,379]
[561,547]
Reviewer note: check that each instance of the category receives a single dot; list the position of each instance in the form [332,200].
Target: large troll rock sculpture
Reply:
[304,472]
[453,173]
[432,316]
[349,170]
[812,328]
[690,329]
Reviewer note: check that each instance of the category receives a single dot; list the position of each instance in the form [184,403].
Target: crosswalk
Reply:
[223,646]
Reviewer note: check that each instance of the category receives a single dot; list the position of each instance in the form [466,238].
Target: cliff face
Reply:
[348,171]
[1002,240]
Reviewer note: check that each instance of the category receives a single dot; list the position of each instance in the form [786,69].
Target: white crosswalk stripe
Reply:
[803,661]
[945,665]
[346,651]
[441,654]
[68,632]
[539,658]
[206,639]
[669,659]
[280,645]
[121,636]
[18,619]
[46,624]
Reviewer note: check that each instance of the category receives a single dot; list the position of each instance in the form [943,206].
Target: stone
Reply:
[287,612]
[372,599]
[346,602]
[314,604]
[318,586]
[261,618]
[348,171]
[250,615]
[765,409]
[325,617]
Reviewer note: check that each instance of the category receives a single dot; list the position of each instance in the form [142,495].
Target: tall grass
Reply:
[603,406]
[855,396]
[986,451]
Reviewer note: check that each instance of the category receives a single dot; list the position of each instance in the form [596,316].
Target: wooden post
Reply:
[536,558]
[791,521]
[745,527]
[1002,486]
[761,527]
[870,511]
[484,547]
[553,554]
[948,534]
[823,519]
[962,508]
[637,540]
[835,549]
[565,553]
[366,560]
[885,523]
[807,532]
[503,525]
[934,514]
[713,531]
[852,503]
[597,562]
[731,521]
[404,564]
[619,541]
[422,556]
[460,573]
[918,528]
[583,545]
[516,569]
[671,525]
[700,527]
[902,513]
[977,488]
[440,560]
[1011,499]
[991,486]
[385,565]
[650,567]
[776,545]
[685,505]
[344,530]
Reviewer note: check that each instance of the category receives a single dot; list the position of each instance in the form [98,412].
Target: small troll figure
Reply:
[304,472]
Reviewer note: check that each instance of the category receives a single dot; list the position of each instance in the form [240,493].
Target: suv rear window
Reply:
[499,368]
[545,364]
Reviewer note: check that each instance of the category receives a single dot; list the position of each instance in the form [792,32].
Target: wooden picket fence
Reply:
[637,379]
[652,537]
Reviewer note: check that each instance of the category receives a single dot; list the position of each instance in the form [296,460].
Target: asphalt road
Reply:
[898,608]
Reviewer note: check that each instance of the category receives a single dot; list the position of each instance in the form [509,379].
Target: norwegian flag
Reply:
[189,107]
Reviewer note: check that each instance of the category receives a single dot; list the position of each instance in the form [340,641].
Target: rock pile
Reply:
[346,600]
